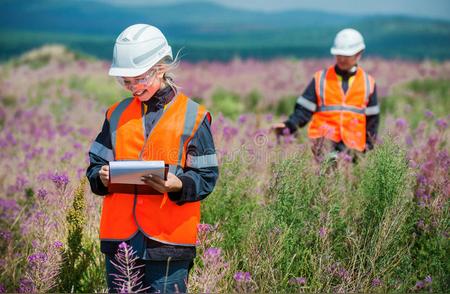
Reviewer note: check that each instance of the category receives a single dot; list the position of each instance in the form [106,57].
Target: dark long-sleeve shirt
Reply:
[197,181]
[302,115]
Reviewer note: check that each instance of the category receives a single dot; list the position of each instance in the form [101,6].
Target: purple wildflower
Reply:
[288,139]
[242,276]
[67,156]
[401,123]
[242,119]
[347,158]
[229,133]
[204,228]
[77,145]
[58,244]
[212,254]
[420,285]
[42,193]
[21,181]
[441,124]
[2,289]
[10,138]
[5,235]
[323,232]
[298,281]
[376,282]
[60,181]
[26,286]
[428,279]
[409,140]
[429,114]
[84,131]
[37,258]
[50,152]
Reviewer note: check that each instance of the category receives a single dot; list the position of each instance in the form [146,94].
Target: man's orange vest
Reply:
[339,116]
[129,208]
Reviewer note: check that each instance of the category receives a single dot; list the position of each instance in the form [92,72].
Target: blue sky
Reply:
[424,8]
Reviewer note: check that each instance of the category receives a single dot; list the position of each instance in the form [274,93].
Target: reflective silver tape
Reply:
[311,106]
[102,151]
[189,122]
[202,161]
[115,117]
[341,108]
[367,81]
[373,110]
[322,87]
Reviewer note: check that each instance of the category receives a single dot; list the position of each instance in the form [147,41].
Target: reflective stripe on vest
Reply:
[139,207]
[341,116]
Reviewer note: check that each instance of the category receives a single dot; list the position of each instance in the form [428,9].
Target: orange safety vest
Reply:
[339,116]
[129,208]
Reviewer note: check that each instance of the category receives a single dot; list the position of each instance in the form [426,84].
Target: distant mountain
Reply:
[210,31]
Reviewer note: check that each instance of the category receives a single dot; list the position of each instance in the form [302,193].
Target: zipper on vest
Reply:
[166,107]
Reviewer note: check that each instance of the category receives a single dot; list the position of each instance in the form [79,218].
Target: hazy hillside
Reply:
[209,31]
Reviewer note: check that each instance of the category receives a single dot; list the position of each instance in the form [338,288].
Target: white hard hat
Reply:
[348,42]
[137,49]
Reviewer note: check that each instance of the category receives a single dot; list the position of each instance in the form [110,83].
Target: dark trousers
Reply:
[160,276]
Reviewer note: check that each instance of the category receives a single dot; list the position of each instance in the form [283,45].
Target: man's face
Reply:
[347,62]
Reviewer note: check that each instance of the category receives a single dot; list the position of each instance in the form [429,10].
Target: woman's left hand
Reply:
[172,184]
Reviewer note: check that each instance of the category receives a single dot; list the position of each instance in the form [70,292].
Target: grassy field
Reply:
[279,219]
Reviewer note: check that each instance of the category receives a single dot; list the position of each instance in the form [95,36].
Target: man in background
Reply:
[340,101]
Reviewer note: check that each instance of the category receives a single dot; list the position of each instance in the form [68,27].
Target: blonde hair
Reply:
[167,66]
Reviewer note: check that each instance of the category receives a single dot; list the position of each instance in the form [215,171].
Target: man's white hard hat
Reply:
[348,42]
[137,49]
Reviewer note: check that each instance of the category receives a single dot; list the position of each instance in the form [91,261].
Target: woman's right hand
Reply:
[104,175]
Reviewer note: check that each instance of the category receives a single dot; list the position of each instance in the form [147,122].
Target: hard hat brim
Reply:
[126,72]
[354,51]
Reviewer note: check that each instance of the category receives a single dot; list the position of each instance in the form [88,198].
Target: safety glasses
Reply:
[141,81]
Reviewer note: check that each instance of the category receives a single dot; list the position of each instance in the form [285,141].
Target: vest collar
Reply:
[344,73]
[160,99]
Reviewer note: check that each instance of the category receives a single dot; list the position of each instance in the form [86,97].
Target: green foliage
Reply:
[284,106]
[283,237]
[103,89]
[199,100]
[412,99]
[9,101]
[82,269]
[431,247]
[384,228]
[383,180]
[228,103]
[251,101]
[231,205]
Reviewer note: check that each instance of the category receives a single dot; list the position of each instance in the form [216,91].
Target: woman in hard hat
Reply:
[158,218]
[340,101]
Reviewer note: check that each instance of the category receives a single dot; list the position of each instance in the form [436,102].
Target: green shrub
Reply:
[227,103]
[284,106]
[384,229]
[82,269]
[231,205]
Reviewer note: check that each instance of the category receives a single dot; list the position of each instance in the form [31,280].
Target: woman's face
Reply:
[143,86]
